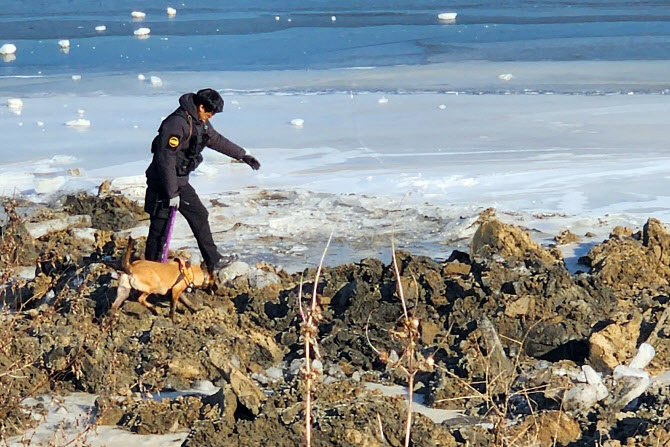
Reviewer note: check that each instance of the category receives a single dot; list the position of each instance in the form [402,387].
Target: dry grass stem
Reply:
[311,317]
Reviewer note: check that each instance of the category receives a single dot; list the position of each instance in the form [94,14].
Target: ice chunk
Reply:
[65,43]
[593,379]
[506,77]
[80,123]
[630,384]
[204,386]
[442,107]
[15,103]
[156,81]
[38,229]
[297,122]
[447,16]
[333,18]
[141,77]
[8,57]
[171,12]
[76,77]
[100,28]
[138,15]
[277,18]
[142,32]
[8,48]
[383,100]
[48,186]
[644,355]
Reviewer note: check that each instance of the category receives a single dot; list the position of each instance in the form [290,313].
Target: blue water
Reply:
[244,34]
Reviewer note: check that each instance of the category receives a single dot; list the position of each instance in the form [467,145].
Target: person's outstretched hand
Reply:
[251,161]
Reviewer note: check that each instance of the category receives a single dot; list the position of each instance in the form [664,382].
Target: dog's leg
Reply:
[143,301]
[122,291]
[177,290]
[187,303]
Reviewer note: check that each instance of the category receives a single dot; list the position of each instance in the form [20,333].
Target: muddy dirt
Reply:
[501,333]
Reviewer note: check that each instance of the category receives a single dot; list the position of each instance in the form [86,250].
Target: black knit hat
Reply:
[209,99]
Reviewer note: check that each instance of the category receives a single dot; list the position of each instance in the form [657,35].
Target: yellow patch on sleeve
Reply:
[173,141]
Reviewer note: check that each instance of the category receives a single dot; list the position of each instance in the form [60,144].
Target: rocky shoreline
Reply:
[529,353]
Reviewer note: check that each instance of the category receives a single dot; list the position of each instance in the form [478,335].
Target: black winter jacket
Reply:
[177,149]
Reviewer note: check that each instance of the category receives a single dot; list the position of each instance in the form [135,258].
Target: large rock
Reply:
[616,343]
[632,261]
[248,393]
[508,242]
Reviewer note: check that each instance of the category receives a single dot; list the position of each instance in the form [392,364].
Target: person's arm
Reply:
[172,137]
[224,146]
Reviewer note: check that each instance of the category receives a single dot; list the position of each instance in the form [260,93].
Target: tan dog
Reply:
[150,277]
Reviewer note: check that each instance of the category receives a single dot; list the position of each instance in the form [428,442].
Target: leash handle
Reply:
[166,246]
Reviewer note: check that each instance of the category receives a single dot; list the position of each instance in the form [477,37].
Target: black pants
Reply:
[195,214]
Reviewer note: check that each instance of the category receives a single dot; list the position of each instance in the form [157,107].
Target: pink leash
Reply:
[166,246]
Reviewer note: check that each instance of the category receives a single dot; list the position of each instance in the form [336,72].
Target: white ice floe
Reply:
[79,123]
[506,77]
[100,28]
[171,11]
[383,100]
[142,32]
[8,48]
[333,18]
[447,16]
[645,354]
[141,77]
[442,107]
[15,103]
[156,81]
[8,57]
[64,43]
[277,18]
[138,15]
[50,185]
[297,122]
[40,124]
[76,77]
[81,112]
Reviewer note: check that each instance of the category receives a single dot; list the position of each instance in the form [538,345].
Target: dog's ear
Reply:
[187,263]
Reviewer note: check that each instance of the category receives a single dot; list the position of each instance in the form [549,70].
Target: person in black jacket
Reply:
[177,151]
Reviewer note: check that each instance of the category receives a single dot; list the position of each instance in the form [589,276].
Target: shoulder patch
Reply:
[173,141]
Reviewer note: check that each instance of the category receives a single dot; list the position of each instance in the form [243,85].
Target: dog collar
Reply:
[185,273]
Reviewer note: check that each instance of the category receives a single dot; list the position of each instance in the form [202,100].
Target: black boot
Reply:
[223,262]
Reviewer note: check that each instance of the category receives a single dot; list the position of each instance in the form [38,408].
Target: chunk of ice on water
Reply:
[138,15]
[79,123]
[15,103]
[64,43]
[142,32]
[8,48]
[297,122]
[76,77]
[100,28]
[447,16]
[156,81]
[171,11]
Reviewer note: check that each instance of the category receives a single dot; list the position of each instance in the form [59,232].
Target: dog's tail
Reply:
[125,263]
